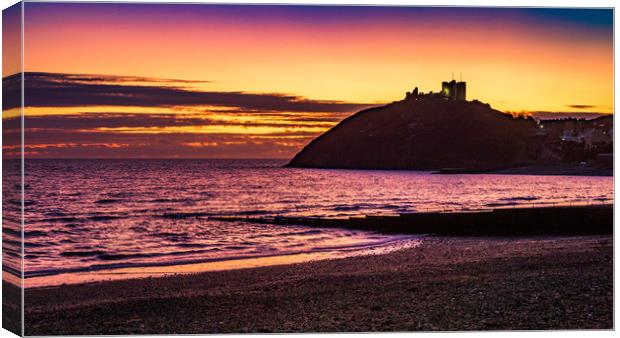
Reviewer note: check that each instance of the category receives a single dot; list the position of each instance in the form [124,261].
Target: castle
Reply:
[453,90]
[449,90]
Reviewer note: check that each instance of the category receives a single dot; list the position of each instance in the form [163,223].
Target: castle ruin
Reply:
[451,90]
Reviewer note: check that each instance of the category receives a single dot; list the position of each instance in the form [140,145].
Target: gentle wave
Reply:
[101,267]
[522,198]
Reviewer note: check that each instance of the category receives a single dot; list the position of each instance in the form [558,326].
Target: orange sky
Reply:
[514,59]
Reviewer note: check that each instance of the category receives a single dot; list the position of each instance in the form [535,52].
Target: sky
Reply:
[255,81]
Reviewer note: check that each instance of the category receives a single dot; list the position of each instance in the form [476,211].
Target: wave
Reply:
[34,245]
[105,218]
[12,232]
[501,204]
[356,207]
[190,245]
[35,233]
[121,194]
[346,207]
[74,220]
[111,266]
[603,199]
[60,219]
[181,215]
[16,202]
[253,212]
[302,232]
[55,214]
[109,201]
[510,201]
[82,253]
[390,206]
[522,198]
[170,200]
[197,214]
[116,257]
[286,234]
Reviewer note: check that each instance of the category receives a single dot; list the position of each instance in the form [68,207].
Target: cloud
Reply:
[86,121]
[76,90]
[201,124]
[581,106]
[57,143]
[96,78]
[139,134]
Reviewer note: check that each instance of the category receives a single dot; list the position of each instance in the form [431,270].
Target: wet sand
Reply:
[444,284]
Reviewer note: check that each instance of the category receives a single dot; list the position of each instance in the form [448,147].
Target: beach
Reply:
[446,283]
[281,168]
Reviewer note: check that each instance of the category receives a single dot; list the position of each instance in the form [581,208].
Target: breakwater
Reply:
[553,220]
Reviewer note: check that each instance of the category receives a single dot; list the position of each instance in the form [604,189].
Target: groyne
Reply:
[553,220]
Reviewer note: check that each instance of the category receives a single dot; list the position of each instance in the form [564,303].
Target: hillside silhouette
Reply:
[426,132]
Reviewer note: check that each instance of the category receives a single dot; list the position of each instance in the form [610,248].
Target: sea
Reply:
[93,220]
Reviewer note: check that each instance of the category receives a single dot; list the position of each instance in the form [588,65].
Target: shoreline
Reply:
[543,169]
[447,283]
[163,270]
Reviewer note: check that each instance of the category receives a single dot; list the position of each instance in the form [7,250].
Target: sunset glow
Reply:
[262,81]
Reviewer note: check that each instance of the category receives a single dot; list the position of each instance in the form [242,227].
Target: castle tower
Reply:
[461,91]
[454,90]
[449,89]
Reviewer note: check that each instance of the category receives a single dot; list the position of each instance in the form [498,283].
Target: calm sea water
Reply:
[95,215]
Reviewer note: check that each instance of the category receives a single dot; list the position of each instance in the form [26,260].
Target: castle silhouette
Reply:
[452,90]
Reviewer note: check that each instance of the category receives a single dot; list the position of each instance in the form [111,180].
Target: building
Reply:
[454,90]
